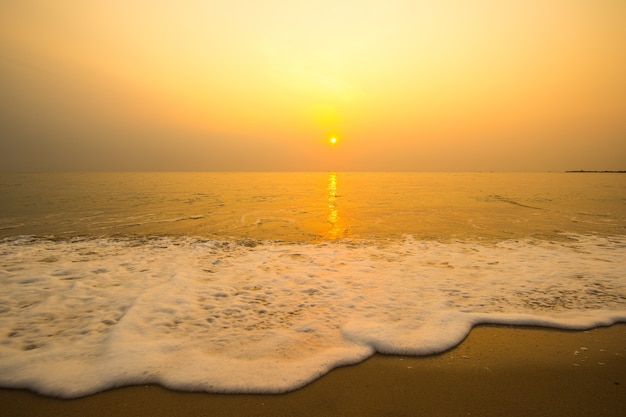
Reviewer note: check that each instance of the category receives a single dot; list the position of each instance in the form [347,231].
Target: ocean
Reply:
[263,282]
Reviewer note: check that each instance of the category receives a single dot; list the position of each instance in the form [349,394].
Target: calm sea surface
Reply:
[313,206]
[262,282]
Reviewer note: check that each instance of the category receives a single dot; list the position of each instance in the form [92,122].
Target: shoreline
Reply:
[496,370]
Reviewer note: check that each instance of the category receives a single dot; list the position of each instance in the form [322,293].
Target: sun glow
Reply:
[377,85]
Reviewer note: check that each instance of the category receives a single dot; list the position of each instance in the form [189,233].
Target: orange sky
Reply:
[451,85]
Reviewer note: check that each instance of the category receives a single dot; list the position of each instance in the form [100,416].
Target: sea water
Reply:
[262,282]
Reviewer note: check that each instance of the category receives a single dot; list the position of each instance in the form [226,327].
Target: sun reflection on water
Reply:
[333,213]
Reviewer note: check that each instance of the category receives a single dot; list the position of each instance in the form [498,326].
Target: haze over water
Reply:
[262,282]
[232,85]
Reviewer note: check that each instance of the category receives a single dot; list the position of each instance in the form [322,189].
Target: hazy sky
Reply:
[447,85]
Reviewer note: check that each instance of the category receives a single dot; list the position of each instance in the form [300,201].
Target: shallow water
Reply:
[247,282]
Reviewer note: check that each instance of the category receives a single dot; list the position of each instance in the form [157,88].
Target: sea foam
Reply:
[83,315]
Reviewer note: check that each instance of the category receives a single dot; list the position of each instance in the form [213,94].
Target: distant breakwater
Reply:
[582,171]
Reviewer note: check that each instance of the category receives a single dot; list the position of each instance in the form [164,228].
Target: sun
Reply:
[333,140]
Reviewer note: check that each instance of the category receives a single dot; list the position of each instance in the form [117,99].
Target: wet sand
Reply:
[513,371]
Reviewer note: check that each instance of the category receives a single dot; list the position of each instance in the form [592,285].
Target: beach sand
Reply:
[496,371]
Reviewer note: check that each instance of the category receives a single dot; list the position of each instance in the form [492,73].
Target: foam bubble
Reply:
[84,315]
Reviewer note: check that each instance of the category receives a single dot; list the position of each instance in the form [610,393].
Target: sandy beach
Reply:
[514,371]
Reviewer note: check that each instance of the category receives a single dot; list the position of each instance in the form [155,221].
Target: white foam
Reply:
[83,315]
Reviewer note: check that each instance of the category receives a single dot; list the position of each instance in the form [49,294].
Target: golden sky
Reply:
[448,85]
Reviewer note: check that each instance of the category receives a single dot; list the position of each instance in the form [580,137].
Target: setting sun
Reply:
[333,141]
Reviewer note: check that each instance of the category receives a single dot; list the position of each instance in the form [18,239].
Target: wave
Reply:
[86,314]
